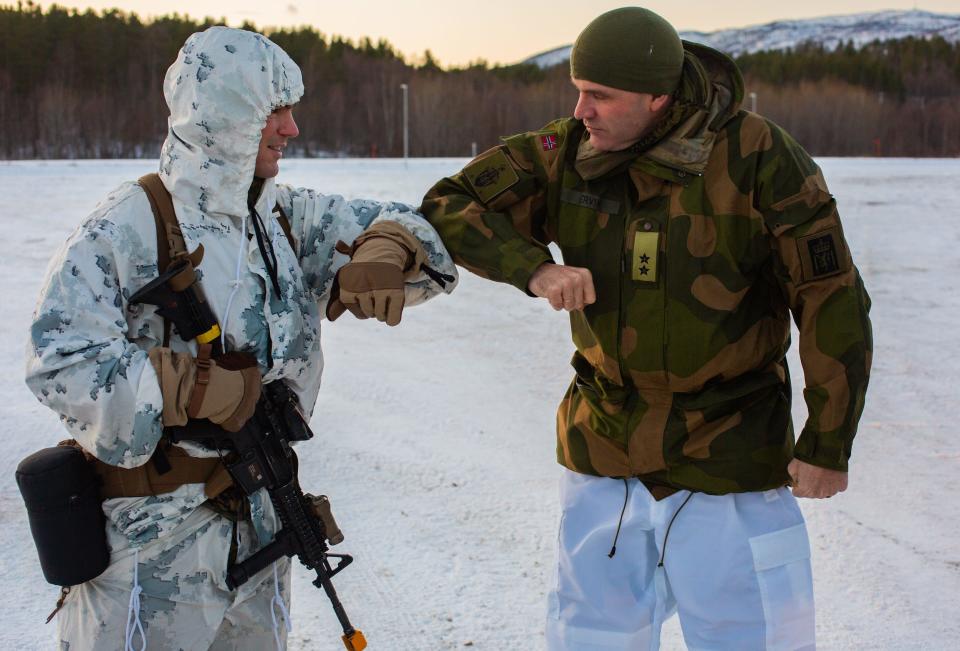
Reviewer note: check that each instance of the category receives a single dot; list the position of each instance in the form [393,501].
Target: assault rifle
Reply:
[259,455]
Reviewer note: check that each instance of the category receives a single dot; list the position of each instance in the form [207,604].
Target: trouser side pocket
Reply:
[781,560]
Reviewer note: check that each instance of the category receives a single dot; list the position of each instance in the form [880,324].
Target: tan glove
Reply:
[224,390]
[371,284]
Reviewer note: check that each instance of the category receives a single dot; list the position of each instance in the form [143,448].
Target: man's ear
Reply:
[659,102]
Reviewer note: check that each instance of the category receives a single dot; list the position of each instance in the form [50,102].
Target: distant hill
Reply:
[829,31]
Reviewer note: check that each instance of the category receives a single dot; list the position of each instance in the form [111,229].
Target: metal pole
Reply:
[753,102]
[406,128]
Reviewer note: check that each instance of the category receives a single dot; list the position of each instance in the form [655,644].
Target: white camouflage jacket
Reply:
[87,358]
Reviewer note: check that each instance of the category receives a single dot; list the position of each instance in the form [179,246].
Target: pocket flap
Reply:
[780,547]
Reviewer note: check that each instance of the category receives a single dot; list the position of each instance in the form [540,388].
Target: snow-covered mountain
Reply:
[829,31]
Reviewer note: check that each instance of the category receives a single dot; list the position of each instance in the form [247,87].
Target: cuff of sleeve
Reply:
[394,244]
[823,449]
[524,264]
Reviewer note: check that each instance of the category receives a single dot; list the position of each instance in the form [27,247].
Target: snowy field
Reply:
[435,439]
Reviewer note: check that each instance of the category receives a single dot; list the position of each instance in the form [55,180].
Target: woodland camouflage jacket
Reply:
[701,242]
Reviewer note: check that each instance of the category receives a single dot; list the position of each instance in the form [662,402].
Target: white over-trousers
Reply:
[735,567]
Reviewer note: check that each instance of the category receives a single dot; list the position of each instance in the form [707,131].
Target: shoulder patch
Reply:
[822,254]
[491,175]
[548,141]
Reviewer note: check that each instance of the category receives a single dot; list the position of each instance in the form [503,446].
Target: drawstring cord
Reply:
[134,625]
[626,494]
[277,602]
[660,581]
[663,553]
[235,283]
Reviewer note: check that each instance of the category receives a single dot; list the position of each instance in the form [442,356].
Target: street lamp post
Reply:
[406,128]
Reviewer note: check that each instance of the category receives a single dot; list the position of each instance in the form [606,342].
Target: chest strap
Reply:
[171,467]
[170,242]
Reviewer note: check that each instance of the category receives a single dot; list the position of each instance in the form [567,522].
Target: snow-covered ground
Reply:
[435,439]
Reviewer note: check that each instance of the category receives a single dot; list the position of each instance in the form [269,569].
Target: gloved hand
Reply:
[372,283]
[224,390]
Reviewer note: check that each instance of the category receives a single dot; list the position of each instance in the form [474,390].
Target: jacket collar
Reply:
[710,93]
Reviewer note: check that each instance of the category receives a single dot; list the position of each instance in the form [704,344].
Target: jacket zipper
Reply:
[665,335]
[621,319]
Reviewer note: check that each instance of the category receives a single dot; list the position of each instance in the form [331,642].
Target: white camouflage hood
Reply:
[220,91]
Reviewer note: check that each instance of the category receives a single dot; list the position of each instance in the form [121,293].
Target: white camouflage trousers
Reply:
[735,567]
[170,594]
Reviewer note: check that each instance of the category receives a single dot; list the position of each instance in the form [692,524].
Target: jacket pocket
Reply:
[781,560]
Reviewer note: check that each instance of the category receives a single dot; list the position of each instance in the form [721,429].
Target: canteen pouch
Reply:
[63,503]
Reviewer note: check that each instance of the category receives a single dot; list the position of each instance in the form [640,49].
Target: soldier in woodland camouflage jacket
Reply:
[701,232]
[100,361]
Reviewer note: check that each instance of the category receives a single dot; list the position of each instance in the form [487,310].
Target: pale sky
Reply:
[500,31]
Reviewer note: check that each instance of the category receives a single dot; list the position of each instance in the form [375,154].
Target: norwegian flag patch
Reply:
[548,142]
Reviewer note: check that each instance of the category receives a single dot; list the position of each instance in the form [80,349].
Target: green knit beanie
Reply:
[630,48]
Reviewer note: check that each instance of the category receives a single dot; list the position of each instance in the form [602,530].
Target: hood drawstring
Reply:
[134,625]
[626,494]
[235,284]
[277,603]
[663,553]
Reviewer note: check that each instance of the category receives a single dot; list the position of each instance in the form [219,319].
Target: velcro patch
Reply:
[821,254]
[646,249]
[491,175]
[591,201]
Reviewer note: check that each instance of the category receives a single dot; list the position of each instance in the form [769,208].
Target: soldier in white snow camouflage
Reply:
[89,357]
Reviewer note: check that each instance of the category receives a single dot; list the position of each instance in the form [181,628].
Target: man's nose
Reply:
[584,108]
[288,127]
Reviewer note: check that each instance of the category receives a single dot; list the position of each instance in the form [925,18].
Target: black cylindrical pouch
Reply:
[59,489]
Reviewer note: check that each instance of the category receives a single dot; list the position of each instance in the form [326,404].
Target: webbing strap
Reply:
[169,238]
[170,242]
[147,480]
[285,226]
[170,469]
